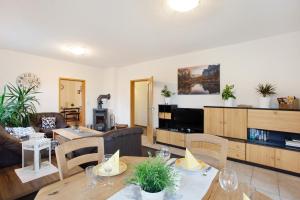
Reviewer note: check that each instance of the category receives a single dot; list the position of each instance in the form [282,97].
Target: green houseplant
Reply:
[153,176]
[265,91]
[166,93]
[3,110]
[228,96]
[19,106]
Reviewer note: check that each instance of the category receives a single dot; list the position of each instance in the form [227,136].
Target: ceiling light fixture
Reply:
[183,5]
[76,50]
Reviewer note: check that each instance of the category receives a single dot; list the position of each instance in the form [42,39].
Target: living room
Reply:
[110,44]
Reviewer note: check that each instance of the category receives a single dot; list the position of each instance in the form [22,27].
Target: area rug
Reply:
[27,174]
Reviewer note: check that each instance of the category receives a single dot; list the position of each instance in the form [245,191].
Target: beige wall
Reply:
[141,103]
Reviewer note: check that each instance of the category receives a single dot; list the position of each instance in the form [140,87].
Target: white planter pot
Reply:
[152,196]
[264,102]
[229,102]
[167,100]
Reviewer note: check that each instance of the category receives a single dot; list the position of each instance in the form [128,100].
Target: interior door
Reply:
[150,108]
[150,111]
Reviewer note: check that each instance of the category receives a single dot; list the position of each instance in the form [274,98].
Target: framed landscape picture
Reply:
[202,79]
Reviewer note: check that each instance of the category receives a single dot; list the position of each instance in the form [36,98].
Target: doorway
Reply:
[141,105]
[72,100]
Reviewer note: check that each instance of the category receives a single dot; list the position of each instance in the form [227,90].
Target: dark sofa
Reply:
[10,149]
[128,141]
[36,122]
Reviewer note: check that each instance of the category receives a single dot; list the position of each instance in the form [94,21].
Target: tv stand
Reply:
[169,132]
[169,137]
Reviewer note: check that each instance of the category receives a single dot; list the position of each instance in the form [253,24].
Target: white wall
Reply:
[12,64]
[141,103]
[274,59]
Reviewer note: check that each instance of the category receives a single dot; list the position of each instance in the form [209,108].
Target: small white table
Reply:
[36,145]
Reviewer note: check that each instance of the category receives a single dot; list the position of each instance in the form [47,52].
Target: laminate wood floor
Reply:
[12,188]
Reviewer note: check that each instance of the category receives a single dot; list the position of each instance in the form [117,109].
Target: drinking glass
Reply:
[164,153]
[91,178]
[250,191]
[107,168]
[228,180]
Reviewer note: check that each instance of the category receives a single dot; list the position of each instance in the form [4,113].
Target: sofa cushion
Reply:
[20,132]
[48,122]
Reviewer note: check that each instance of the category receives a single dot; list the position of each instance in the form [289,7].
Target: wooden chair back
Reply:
[66,165]
[208,146]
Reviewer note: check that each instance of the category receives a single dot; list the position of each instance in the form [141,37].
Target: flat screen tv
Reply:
[188,120]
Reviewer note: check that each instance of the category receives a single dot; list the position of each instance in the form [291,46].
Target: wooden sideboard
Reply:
[170,137]
[234,123]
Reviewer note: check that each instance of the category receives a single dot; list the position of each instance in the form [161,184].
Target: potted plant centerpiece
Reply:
[266,91]
[154,177]
[228,96]
[166,93]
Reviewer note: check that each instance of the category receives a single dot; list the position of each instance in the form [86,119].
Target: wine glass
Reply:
[107,168]
[228,180]
[164,153]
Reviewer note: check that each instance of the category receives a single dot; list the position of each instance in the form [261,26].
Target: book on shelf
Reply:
[292,143]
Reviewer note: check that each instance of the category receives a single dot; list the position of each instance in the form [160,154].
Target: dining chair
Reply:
[65,164]
[209,148]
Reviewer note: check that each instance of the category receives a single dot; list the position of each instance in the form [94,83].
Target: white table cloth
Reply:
[193,185]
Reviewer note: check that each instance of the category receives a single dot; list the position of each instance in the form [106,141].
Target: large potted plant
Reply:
[228,96]
[18,104]
[154,177]
[266,91]
[3,110]
[166,93]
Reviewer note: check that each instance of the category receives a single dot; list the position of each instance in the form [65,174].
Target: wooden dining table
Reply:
[75,187]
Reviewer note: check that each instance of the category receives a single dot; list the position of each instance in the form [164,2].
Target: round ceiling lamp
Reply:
[183,5]
[76,50]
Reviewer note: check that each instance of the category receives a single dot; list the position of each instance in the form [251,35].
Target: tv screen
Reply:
[189,119]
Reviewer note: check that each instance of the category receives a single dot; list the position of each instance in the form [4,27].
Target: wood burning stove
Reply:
[100,121]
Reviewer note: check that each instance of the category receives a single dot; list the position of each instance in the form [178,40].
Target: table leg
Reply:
[23,157]
[50,153]
[36,159]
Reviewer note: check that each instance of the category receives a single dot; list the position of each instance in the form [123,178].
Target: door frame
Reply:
[150,105]
[83,95]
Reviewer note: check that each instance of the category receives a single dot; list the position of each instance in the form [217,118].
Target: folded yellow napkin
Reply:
[114,162]
[245,197]
[191,162]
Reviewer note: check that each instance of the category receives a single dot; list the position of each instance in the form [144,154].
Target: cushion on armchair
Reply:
[20,132]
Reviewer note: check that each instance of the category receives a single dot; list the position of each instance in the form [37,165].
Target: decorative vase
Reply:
[167,100]
[229,102]
[264,102]
[153,196]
